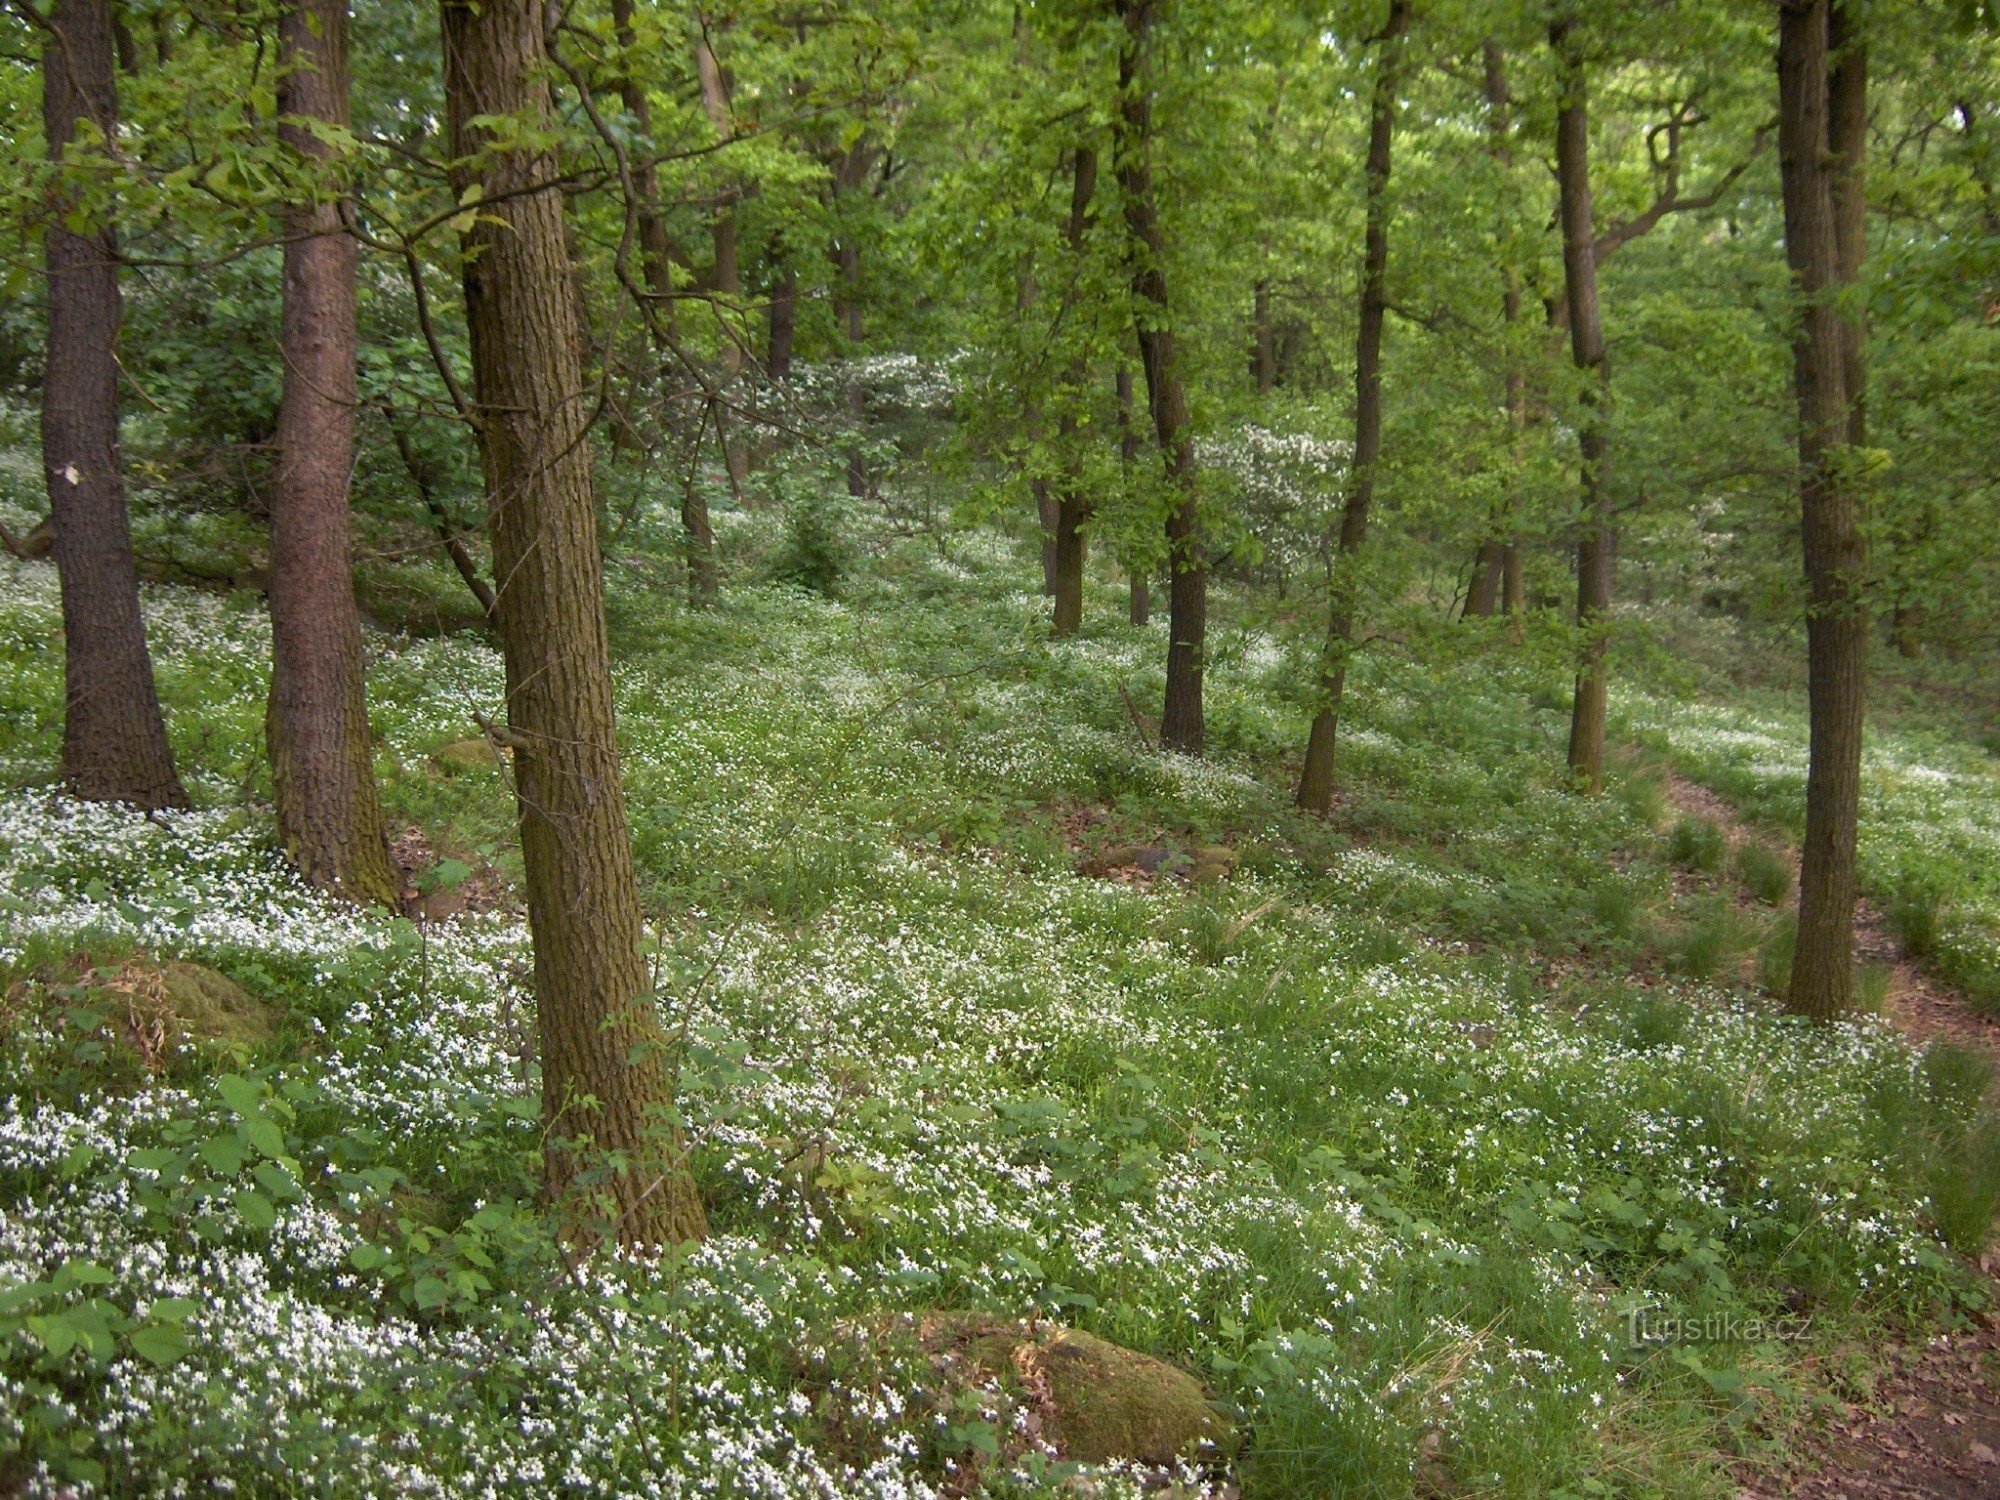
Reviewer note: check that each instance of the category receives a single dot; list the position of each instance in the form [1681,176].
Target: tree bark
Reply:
[1181,724]
[1506,565]
[1315,792]
[1482,595]
[783,326]
[1595,555]
[1072,505]
[316,725]
[615,1165]
[1139,609]
[114,738]
[1264,350]
[1822,982]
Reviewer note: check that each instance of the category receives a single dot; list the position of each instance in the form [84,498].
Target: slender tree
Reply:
[1181,726]
[114,738]
[1315,792]
[1139,608]
[606,1090]
[1496,579]
[1819,163]
[1071,503]
[316,726]
[1596,541]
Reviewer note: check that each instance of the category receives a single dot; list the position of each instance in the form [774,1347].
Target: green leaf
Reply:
[256,1209]
[225,1153]
[158,1343]
[240,1094]
[263,1133]
[430,1292]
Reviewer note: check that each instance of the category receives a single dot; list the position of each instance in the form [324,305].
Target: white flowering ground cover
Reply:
[1287,1131]
[1930,817]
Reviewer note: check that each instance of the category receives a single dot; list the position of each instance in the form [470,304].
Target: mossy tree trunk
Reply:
[613,1154]
[114,736]
[316,726]
[1315,792]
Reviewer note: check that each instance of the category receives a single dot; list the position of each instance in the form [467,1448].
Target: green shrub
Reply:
[1765,872]
[1696,843]
[1919,910]
[1774,955]
[1711,943]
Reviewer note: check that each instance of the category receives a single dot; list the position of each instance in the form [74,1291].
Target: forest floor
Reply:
[1928,1425]
[1396,1128]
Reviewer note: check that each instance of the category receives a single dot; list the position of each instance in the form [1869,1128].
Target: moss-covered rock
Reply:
[1093,1400]
[148,1010]
[467,755]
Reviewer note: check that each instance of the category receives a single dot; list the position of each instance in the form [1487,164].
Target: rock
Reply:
[1094,1400]
[1111,1402]
[155,1007]
[1211,863]
[469,755]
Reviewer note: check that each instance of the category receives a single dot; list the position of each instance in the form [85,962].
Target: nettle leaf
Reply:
[240,1094]
[225,1153]
[263,1133]
[255,1209]
[159,1343]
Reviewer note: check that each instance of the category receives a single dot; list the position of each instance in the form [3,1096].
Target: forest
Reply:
[940,748]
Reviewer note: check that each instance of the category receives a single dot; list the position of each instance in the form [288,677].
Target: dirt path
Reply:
[1925,1010]
[1930,1429]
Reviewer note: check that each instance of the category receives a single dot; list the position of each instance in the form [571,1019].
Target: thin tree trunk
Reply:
[1822,982]
[114,738]
[1181,725]
[849,171]
[1316,777]
[1482,595]
[784,316]
[656,247]
[1500,128]
[614,1164]
[1140,607]
[1071,502]
[1595,555]
[316,727]
[1264,357]
[449,534]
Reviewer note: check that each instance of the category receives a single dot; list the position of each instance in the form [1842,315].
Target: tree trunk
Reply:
[1482,594]
[1071,503]
[1506,563]
[614,1163]
[849,171]
[1181,726]
[784,316]
[1595,557]
[656,247]
[114,738]
[1316,778]
[1140,607]
[1264,351]
[1822,983]
[322,757]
